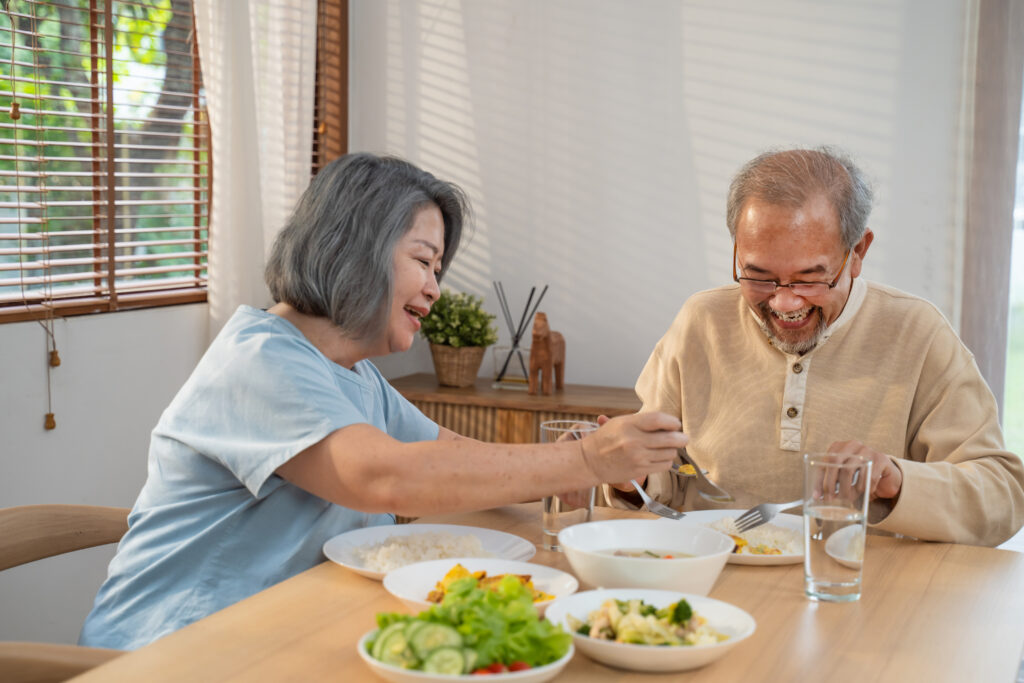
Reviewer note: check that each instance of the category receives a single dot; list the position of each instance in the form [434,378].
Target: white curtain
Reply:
[259,64]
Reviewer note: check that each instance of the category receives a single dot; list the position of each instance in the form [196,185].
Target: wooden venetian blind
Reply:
[330,109]
[105,175]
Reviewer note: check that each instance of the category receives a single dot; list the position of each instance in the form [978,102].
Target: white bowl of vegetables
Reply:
[651,630]
[646,553]
[474,630]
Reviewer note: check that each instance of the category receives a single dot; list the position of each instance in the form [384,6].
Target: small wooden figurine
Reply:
[547,355]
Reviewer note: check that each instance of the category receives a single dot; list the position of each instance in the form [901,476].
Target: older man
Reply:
[801,354]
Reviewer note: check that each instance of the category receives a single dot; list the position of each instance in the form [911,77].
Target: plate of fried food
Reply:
[424,584]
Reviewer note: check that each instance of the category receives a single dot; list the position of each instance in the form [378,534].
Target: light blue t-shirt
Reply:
[213,523]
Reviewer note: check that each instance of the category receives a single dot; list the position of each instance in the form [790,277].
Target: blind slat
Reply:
[94,274]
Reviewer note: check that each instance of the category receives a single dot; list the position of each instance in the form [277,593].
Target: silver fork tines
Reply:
[761,514]
[654,506]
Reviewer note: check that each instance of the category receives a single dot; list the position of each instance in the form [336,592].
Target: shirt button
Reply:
[797,368]
[792,412]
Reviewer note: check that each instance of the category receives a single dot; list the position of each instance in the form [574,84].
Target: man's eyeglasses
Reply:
[801,289]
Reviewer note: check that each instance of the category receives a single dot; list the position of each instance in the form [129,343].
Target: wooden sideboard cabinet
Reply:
[507,415]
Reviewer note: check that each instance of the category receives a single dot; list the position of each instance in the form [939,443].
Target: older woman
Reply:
[286,435]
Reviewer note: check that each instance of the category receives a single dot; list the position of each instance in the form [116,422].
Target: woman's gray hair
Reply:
[335,256]
[791,177]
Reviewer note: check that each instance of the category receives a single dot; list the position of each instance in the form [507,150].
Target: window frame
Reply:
[108,294]
[330,109]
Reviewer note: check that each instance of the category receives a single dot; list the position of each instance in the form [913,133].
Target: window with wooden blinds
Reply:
[330,109]
[104,157]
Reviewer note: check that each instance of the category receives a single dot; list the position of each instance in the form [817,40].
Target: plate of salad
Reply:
[474,630]
[651,630]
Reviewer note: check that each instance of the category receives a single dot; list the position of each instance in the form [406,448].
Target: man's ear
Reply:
[859,250]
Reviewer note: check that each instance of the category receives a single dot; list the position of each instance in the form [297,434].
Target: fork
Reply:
[707,489]
[763,513]
[656,507]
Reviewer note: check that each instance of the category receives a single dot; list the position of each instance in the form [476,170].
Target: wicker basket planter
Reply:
[457,367]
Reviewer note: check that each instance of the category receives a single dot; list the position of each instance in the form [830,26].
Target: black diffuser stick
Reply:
[537,305]
[503,300]
[522,320]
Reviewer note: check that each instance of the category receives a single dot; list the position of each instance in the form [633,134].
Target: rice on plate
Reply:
[374,550]
[767,539]
[398,551]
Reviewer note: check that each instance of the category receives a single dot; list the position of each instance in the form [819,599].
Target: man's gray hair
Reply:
[791,177]
[335,256]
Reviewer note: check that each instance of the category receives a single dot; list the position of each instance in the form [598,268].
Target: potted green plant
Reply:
[459,330]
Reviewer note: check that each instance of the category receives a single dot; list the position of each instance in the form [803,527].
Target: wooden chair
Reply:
[32,532]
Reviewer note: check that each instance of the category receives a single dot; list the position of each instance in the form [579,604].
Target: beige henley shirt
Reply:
[891,373]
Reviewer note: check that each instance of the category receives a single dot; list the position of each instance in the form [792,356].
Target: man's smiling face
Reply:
[795,244]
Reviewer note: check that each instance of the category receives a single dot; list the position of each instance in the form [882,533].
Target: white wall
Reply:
[118,372]
[597,141]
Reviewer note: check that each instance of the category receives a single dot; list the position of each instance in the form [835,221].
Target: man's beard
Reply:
[796,348]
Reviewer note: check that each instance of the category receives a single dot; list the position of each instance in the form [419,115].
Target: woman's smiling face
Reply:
[417,266]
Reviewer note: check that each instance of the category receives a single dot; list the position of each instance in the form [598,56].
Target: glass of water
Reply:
[569,507]
[836,493]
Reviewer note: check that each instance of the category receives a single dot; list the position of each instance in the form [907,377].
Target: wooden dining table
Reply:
[928,612]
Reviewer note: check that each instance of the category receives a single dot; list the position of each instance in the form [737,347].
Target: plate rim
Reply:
[539,673]
[528,550]
[654,652]
[555,573]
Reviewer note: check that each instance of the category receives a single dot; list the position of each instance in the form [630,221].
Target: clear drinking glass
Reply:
[570,507]
[836,493]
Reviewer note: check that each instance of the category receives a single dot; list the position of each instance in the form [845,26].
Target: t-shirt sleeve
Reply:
[405,421]
[256,402]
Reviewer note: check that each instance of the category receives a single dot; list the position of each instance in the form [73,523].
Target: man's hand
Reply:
[886,477]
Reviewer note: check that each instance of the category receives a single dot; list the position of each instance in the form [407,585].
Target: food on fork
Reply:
[483,581]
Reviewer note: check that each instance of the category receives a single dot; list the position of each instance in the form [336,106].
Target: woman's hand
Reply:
[632,446]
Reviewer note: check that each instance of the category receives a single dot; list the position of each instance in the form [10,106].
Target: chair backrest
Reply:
[32,532]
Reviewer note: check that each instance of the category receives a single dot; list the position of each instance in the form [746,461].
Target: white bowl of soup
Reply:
[646,553]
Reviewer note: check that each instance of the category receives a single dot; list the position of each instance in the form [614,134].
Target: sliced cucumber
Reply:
[471,656]
[379,643]
[395,650]
[412,626]
[432,636]
[445,660]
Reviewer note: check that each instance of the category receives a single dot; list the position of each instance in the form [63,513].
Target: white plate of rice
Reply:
[376,550]
[785,532]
